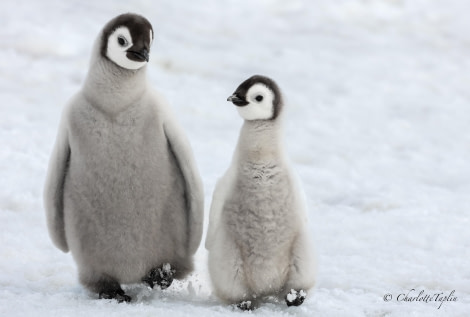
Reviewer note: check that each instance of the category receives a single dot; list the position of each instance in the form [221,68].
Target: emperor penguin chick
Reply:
[122,192]
[257,239]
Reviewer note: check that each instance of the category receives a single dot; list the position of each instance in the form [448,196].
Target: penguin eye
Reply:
[259,98]
[122,40]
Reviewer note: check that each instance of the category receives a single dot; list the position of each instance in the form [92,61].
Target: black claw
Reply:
[123,298]
[294,298]
[162,276]
[149,279]
[118,295]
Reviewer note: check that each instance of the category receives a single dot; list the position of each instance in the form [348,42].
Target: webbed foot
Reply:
[118,295]
[245,305]
[162,276]
[295,298]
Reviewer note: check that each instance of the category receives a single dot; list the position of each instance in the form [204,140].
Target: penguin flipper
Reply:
[54,188]
[218,200]
[182,151]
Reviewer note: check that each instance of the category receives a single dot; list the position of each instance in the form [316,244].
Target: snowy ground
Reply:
[378,127]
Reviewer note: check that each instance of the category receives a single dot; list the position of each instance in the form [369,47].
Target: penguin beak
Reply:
[138,56]
[237,100]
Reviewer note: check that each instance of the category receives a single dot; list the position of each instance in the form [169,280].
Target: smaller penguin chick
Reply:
[257,98]
[257,239]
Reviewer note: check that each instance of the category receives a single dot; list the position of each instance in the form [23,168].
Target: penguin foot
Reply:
[118,295]
[295,298]
[162,276]
[245,305]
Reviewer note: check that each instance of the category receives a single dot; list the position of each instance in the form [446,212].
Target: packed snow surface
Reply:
[377,125]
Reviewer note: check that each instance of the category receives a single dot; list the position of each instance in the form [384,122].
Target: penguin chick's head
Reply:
[126,41]
[257,98]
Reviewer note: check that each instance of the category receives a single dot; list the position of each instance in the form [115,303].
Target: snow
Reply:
[292,295]
[377,126]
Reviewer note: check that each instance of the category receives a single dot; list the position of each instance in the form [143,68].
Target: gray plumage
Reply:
[257,239]
[122,192]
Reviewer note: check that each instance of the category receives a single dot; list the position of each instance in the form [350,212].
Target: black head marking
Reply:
[242,90]
[138,26]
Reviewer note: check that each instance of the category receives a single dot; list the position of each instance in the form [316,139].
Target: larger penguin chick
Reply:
[257,238]
[126,41]
[123,193]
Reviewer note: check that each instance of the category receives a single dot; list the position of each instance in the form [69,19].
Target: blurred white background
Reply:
[377,125]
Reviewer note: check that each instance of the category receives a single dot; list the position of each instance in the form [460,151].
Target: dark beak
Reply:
[237,100]
[139,56]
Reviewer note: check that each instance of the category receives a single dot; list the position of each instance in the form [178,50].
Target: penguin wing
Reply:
[218,199]
[54,187]
[300,194]
[194,193]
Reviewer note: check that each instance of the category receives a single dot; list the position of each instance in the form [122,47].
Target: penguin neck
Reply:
[261,140]
[113,89]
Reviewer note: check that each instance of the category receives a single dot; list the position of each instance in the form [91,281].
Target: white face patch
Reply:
[260,106]
[118,43]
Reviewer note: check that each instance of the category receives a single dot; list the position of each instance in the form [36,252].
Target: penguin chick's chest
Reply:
[118,138]
[259,212]
[119,156]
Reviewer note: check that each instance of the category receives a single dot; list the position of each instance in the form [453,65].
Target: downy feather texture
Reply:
[257,239]
[123,193]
